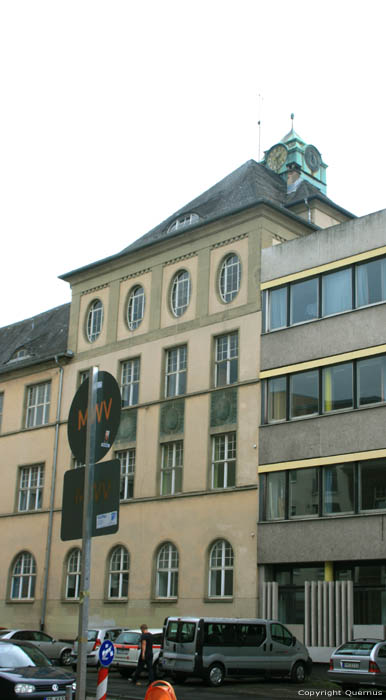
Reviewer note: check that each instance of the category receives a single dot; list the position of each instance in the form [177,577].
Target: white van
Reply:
[213,648]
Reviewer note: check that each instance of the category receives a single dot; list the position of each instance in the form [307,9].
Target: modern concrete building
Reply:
[322,440]
[176,318]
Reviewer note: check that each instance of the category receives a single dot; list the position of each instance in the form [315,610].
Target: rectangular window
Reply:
[304,301]
[337,292]
[338,489]
[31,484]
[130,382]
[303,493]
[338,387]
[175,371]
[372,490]
[276,399]
[223,461]
[371,282]
[304,394]
[171,467]
[275,496]
[278,308]
[38,405]
[1,408]
[226,361]
[127,461]
[371,380]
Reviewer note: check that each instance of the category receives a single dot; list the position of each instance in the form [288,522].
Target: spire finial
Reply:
[292,119]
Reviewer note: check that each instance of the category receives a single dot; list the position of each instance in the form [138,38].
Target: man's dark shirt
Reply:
[148,638]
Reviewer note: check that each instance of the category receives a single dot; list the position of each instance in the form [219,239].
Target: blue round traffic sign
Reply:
[106,653]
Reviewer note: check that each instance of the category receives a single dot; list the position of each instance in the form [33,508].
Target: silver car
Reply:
[95,637]
[55,650]
[360,662]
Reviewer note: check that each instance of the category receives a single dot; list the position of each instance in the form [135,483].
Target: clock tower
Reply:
[292,154]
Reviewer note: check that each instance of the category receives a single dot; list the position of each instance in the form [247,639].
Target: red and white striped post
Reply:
[101,691]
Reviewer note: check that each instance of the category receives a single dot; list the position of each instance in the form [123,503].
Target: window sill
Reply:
[115,601]
[228,599]
[20,601]
[164,601]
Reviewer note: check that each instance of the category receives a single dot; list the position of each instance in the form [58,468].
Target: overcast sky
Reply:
[115,114]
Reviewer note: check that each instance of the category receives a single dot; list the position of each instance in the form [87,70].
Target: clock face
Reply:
[276,157]
[312,157]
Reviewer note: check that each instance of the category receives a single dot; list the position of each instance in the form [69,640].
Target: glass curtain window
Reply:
[275,496]
[371,380]
[372,484]
[338,489]
[175,375]
[171,467]
[127,462]
[167,572]
[38,404]
[227,351]
[336,292]
[135,308]
[304,394]
[303,493]
[23,577]
[304,301]
[130,382]
[338,387]
[73,574]
[224,461]
[94,320]
[371,282]
[119,573]
[31,488]
[180,295]
[230,276]
[276,399]
[277,308]
[221,562]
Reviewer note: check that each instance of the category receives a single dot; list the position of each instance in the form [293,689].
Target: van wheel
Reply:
[158,671]
[125,673]
[216,675]
[298,673]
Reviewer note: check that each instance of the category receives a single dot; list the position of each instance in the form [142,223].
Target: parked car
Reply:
[95,637]
[26,671]
[127,650]
[213,648]
[55,650]
[360,662]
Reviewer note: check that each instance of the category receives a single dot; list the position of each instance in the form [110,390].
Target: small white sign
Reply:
[106,519]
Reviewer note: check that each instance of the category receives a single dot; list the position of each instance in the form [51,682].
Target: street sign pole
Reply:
[84,598]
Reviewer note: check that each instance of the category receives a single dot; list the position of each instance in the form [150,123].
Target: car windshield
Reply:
[19,655]
[356,648]
[127,638]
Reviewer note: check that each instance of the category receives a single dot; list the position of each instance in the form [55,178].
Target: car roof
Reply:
[152,630]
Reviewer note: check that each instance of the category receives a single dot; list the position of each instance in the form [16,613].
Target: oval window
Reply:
[135,307]
[230,276]
[94,320]
[180,294]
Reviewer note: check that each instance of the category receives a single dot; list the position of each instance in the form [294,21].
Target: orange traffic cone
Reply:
[160,690]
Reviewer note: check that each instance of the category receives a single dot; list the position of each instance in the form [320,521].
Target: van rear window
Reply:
[180,631]
[356,648]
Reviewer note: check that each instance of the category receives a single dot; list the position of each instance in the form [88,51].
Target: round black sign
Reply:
[107,417]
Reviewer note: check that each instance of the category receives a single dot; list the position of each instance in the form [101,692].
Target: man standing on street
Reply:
[145,656]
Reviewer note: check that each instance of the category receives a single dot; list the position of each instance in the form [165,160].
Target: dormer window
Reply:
[182,221]
[19,354]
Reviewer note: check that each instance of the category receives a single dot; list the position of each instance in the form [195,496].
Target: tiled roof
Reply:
[41,337]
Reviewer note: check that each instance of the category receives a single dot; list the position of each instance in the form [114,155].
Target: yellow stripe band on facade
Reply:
[323,268]
[323,361]
[322,461]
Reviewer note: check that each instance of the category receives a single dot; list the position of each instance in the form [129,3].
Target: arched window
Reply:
[167,572]
[182,221]
[180,294]
[119,573]
[94,320]
[73,574]
[23,577]
[230,276]
[221,570]
[135,307]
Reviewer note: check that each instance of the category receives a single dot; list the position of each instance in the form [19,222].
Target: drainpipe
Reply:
[52,497]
